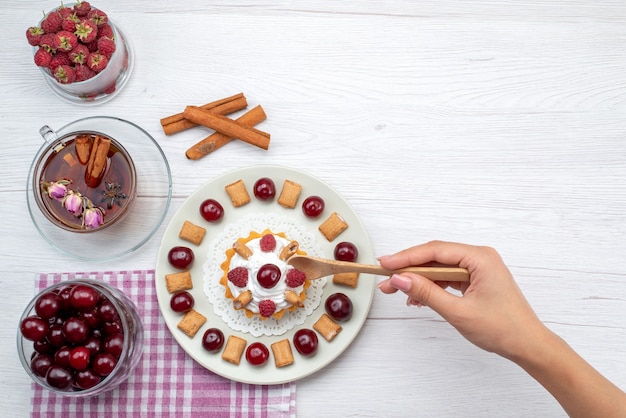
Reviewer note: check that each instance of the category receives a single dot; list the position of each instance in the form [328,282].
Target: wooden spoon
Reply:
[315,268]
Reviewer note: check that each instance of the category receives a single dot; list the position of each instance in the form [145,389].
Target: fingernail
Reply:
[402,283]
[382,257]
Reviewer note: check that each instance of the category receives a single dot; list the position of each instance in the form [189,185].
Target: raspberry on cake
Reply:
[257,278]
[295,278]
[267,307]
[238,276]
[268,243]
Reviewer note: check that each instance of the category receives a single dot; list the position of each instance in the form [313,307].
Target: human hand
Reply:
[492,312]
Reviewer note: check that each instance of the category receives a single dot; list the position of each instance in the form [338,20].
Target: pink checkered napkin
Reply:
[167,382]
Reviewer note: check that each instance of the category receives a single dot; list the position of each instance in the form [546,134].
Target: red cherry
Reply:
[268,275]
[62,356]
[41,363]
[107,311]
[59,377]
[104,363]
[182,302]
[48,305]
[114,344]
[211,210]
[313,206]
[43,347]
[264,189]
[93,344]
[84,297]
[339,307]
[111,328]
[64,294]
[213,339]
[257,354]
[55,335]
[91,318]
[79,358]
[86,379]
[180,257]
[34,328]
[305,341]
[346,251]
[75,330]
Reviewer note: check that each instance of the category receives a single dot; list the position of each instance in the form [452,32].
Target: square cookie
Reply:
[175,282]
[238,193]
[191,323]
[282,353]
[234,349]
[290,194]
[327,327]
[192,233]
[333,226]
[346,279]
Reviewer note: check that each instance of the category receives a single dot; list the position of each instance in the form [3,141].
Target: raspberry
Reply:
[267,308]
[65,11]
[83,72]
[93,46]
[79,54]
[69,23]
[43,57]
[64,74]
[47,42]
[52,22]
[33,35]
[82,8]
[97,61]
[98,17]
[65,41]
[60,58]
[295,278]
[267,243]
[105,31]
[238,276]
[86,31]
[106,47]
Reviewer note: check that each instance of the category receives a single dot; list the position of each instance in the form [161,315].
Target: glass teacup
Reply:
[83,181]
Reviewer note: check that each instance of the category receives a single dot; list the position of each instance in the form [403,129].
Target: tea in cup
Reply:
[83,181]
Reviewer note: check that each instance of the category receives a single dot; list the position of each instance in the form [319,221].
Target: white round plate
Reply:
[361,296]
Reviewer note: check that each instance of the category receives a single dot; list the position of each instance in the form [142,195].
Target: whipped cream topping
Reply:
[252,264]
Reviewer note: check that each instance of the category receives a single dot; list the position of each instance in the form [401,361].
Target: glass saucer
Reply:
[154,193]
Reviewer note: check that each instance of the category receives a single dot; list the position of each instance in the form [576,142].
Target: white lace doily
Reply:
[215,291]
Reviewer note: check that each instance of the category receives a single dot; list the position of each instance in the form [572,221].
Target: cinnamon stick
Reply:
[218,139]
[83,148]
[222,109]
[96,166]
[176,123]
[227,126]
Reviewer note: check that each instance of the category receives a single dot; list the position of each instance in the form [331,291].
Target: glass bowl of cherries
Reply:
[80,338]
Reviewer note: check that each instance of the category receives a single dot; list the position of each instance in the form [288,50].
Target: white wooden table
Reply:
[489,122]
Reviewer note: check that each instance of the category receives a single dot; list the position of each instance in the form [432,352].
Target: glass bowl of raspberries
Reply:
[83,55]
[80,338]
